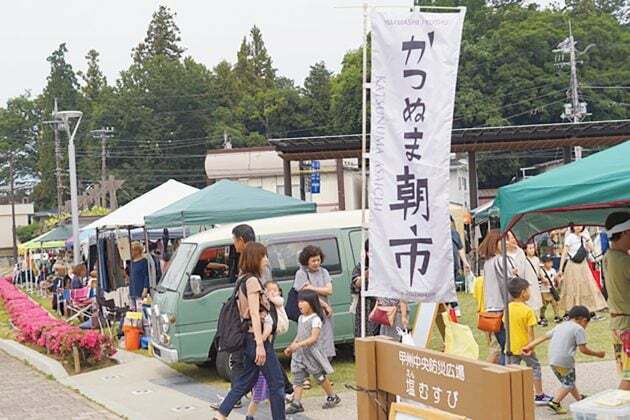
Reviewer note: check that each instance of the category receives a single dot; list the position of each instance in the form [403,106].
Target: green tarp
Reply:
[226,202]
[583,192]
[55,238]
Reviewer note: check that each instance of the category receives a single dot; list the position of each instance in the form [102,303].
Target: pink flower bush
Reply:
[36,326]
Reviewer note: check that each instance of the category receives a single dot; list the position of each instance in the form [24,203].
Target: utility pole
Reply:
[58,162]
[576,110]
[103,134]
[64,117]
[12,198]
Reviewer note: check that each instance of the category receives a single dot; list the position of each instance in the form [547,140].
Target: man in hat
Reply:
[617,277]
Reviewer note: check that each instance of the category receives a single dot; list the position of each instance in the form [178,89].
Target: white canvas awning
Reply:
[132,214]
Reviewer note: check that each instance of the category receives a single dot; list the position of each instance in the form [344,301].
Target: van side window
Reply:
[284,262]
[212,267]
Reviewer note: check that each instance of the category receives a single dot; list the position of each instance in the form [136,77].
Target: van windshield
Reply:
[179,262]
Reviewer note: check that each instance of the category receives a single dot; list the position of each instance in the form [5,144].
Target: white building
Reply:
[23,214]
[262,167]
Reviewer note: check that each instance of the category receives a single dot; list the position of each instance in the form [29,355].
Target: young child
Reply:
[260,392]
[522,322]
[307,357]
[565,339]
[548,276]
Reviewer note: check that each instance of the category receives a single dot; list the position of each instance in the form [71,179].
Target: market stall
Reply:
[108,241]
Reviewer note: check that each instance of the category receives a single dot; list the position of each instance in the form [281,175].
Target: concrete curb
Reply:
[39,361]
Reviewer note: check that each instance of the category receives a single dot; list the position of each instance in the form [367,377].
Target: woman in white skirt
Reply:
[578,286]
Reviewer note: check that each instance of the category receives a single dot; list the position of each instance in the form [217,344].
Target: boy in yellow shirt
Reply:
[522,322]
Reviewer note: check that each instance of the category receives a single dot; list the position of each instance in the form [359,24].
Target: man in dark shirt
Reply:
[138,273]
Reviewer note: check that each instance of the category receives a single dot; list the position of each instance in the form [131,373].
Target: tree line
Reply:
[168,109]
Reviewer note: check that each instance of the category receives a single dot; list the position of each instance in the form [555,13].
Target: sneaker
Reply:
[583,397]
[332,401]
[294,408]
[558,320]
[543,322]
[556,407]
[288,398]
[215,405]
[598,318]
[542,399]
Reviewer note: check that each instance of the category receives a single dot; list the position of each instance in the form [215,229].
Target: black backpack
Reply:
[231,329]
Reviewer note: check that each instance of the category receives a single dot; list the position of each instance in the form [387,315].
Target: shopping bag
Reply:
[458,339]
[405,337]
[470,280]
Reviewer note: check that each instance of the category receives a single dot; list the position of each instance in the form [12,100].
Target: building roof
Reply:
[517,137]
[284,225]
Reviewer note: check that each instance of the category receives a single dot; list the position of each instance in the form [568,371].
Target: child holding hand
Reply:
[307,356]
[565,339]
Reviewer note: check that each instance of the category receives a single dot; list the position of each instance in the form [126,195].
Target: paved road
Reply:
[27,394]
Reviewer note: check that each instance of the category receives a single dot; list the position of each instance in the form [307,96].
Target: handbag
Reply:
[581,253]
[490,321]
[383,315]
[291,307]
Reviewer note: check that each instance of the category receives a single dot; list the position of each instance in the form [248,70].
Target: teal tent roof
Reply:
[54,238]
[583,192]
[226,202]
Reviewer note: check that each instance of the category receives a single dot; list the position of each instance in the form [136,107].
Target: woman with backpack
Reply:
[258,355]
[578,286]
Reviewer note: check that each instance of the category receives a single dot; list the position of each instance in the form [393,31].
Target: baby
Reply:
[275,298]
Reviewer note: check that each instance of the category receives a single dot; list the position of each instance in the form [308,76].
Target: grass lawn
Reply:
[598,334]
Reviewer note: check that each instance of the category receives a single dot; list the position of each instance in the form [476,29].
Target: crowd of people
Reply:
[527,285]
[256,367]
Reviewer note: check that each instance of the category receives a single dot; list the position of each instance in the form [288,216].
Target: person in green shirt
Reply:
[617,277]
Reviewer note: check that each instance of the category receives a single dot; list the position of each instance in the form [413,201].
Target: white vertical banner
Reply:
[412,92]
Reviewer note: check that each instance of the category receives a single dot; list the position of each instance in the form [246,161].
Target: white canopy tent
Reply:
[132,214]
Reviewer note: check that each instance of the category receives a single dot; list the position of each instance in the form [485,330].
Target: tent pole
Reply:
[506,296]
[364,87]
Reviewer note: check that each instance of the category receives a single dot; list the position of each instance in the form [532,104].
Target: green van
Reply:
[188,299]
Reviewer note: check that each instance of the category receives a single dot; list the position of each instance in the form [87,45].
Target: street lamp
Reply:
[65,117]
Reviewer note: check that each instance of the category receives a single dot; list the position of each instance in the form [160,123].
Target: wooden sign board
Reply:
[449,383]
[402,411]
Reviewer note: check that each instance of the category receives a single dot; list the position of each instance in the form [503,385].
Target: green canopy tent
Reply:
[226,202]
[583,192]
[55,238]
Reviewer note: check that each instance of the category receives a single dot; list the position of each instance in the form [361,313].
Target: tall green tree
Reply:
[254,67]
[317,89]
[94,81]
[346,102]
[162,38]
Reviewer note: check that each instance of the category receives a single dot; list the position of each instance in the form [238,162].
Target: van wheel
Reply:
[224,365]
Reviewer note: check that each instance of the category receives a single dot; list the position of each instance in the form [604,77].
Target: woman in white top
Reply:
[578,286]
[525,269]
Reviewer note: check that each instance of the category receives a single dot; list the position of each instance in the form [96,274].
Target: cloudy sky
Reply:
[297,33]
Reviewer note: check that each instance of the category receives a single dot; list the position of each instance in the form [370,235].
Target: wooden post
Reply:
[367,406]
[77,359]
[302,181]
[472,179]
[288,187]
[341,188]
